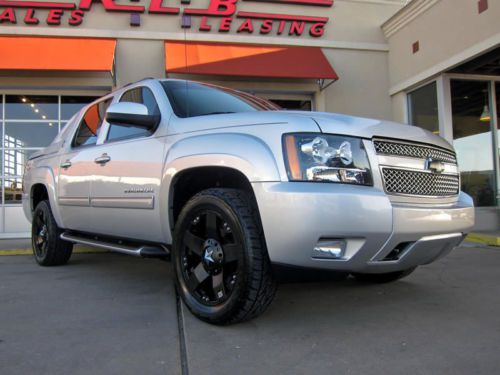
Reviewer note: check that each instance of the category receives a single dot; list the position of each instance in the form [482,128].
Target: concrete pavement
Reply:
[108,313]
[100,314]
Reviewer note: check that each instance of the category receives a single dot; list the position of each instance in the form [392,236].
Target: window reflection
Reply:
[14,161]
[90,125]
[473,140]
[423,108]
[38,134]
[13,190]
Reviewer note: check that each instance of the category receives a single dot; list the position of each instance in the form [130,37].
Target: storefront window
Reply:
[423,108]
[72,104]
[30,134]
[473,140]
[293,105]
[30,107]
[497,91]
[13,190]
[29,123]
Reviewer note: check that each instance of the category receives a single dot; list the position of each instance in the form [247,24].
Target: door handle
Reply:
[66,164]
[103,159]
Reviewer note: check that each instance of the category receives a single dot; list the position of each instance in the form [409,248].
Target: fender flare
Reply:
[241,152]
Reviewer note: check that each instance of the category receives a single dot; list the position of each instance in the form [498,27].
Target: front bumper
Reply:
[296,216]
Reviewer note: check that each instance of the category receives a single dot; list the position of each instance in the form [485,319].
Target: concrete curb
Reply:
[484,239]
[78,250]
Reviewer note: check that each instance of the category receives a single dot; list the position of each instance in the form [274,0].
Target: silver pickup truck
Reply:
[228,185]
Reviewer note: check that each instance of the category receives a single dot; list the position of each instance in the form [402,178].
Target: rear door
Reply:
[77,169]
[125,190]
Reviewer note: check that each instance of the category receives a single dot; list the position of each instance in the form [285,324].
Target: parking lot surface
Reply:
[112,314]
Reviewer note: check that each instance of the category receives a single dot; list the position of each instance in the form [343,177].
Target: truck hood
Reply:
[309,122]
[369,128]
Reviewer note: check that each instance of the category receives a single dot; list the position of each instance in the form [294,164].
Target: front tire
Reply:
[48,248]
[382,278]
[222,269]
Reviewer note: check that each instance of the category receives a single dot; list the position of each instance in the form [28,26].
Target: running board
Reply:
[145,251]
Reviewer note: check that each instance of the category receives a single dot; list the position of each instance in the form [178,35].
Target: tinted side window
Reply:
[141,95]
[88,131]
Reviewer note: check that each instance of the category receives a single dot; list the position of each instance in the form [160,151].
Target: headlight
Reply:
[327,158]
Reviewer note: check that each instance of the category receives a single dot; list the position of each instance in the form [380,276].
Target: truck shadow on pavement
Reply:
[300,291]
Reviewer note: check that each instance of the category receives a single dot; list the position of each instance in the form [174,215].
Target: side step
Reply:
[145,251]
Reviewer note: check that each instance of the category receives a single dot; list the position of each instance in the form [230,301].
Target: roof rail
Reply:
[142,79]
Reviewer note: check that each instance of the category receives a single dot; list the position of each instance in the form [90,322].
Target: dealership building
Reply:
[428,63]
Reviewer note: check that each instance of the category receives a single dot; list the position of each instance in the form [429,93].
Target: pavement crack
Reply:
[182,336]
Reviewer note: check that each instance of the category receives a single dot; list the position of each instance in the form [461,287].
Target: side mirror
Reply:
[131,114]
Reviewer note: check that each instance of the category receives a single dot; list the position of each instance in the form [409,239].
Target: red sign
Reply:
[221,15]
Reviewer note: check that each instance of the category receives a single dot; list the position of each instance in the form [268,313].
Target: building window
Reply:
[423,108]
[473,141]
[293,105]
[28,124]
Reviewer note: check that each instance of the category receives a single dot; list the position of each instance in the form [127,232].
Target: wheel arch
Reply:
[229,160]
[38,193]
[43,186]
[191,181]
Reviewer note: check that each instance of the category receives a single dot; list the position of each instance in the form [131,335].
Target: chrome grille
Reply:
[414,151]
[400,181]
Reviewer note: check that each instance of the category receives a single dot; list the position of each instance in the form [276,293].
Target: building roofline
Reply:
[405,15]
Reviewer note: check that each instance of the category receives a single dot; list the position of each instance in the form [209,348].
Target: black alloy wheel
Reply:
[210,264]
[40,234]
[222,269]
[48,248]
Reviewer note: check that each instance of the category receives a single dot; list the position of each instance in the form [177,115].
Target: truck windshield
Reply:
[190,99]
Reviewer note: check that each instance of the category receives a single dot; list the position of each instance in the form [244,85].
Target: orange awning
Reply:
[247,60]
[61,54]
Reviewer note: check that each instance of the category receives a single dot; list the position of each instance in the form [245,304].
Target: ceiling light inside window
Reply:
[485,116]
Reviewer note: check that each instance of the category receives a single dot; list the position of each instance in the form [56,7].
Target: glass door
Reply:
[473,139]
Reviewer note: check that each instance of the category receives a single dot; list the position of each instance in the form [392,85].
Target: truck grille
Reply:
[400,181]
[418,180]
[414,151]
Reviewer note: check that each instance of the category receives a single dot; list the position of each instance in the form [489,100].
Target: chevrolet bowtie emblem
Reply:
[434,166]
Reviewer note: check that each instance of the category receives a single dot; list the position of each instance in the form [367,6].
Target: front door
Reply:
[126,186]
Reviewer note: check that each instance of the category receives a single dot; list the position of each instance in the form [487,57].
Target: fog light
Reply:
[332,249]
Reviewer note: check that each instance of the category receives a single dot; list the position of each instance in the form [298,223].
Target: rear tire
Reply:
[381,278]
[48,248]
[222,269]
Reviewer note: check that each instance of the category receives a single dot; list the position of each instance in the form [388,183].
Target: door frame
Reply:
[443,85]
